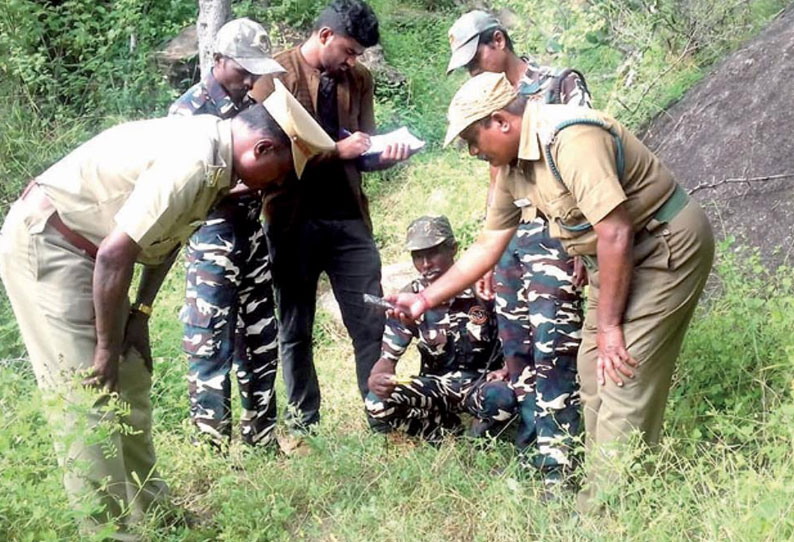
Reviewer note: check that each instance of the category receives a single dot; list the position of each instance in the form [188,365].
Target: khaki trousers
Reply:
[671,265]
[49,284]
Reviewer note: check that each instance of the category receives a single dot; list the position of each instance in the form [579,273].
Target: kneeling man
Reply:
[458,345]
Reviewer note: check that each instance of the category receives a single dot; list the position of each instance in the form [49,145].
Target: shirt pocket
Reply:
[566,214]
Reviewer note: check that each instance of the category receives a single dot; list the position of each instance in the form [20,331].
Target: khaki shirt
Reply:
[585,157]
[155,180]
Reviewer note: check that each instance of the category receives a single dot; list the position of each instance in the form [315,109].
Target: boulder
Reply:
[178,60]
[738,123]
[394,278]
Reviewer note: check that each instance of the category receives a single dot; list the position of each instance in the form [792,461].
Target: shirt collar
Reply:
[528,146]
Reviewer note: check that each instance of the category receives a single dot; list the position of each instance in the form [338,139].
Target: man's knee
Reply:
[498,401]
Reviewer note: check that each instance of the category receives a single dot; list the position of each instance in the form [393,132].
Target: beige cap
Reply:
[308,137]
[247,43]
[464,36]
[476,99]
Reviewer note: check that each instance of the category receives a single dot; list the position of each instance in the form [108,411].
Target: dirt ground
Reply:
[739,123]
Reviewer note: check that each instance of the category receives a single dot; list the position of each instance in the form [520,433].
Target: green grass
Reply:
[726,467]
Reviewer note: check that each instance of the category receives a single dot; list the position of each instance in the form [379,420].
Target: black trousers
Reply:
[346,251]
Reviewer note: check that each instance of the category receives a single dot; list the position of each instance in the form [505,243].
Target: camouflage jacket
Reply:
[456,336]
[538,82]
[208,98]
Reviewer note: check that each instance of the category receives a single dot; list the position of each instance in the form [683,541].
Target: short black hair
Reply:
[350,18]
[486,37]
[257,118]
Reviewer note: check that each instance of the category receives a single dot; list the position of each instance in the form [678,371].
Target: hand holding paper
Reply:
[379,143]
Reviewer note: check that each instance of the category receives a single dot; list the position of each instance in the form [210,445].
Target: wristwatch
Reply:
[142,308]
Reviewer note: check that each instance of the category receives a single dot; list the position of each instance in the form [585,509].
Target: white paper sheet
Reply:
[401,135]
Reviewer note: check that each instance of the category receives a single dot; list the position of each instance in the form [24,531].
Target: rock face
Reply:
[739,123]
[374,59]
[179,58]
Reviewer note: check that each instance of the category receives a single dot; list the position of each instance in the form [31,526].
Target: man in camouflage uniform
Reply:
[229,311]
[458,344]
[534,276]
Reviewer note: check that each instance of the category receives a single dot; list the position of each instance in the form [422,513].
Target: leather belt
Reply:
[674,204]
[34,195]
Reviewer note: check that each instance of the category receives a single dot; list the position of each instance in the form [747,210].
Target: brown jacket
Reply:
[356,113]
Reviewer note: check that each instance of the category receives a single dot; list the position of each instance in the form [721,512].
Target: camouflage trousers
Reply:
[230,324]
[430,404]
[539,312]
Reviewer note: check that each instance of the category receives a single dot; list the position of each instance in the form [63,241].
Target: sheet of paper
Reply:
[401,135]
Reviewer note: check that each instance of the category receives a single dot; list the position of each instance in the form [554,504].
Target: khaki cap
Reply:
[427,232]
[247,43]
[476,99]
[308,138]
[464,36]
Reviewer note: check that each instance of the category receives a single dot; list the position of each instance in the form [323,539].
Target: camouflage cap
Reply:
[308,138]
[247,43]
[427,232]
[476,99]
[464,36]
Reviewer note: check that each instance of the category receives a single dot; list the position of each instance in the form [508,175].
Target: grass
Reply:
[725,470]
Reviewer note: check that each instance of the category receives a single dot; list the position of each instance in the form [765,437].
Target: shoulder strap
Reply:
[619,157]
[554,93]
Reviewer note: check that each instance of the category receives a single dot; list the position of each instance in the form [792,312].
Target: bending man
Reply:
[133,193]
[610,200]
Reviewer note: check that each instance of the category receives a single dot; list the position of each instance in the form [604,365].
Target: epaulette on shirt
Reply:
[552,117]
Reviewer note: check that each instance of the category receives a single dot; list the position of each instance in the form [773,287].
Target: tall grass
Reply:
[725,470]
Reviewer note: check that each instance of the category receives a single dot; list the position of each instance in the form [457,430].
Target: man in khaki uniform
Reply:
[133,193]
[649,247]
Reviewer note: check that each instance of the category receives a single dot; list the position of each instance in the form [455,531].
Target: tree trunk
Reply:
[212,15]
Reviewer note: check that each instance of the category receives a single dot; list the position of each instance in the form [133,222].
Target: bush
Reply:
[84,57]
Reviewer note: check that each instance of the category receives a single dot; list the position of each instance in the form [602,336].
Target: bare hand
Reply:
[498,374]
[409,307]
[395,153]
[381,380]
[613,358]
[579,272]
[484,286]
[353,146]
[382,384]
[104,371]
[136,335]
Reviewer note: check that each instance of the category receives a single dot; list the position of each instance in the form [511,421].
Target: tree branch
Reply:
[740,180]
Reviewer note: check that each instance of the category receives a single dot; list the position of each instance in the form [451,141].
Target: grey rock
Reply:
[738,123]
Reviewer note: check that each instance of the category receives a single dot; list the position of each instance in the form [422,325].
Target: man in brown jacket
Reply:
[323,223]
